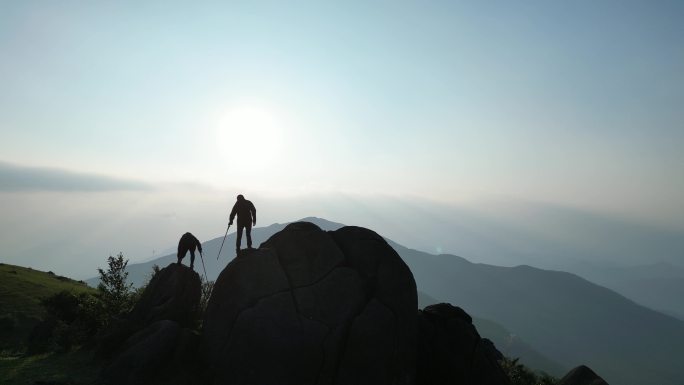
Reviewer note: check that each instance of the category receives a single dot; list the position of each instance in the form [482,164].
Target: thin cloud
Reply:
[17,178]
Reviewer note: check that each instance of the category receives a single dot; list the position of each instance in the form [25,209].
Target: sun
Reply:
[249,134]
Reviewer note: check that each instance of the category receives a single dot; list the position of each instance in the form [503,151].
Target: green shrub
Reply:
[7,322]
[62,306]
[207,288]
[519,374]
[72,320]
[115,293]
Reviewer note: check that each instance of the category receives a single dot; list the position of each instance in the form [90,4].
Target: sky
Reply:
[123,124]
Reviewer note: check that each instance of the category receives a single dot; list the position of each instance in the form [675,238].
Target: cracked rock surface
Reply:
[313,307]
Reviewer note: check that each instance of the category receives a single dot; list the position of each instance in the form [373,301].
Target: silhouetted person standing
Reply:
[188,242]
[246,217]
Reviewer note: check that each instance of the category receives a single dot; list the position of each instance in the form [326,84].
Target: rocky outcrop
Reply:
[307,307]
[144,354]
[582,375]
[153,344]
[172,294]
[313,307]
[450,351]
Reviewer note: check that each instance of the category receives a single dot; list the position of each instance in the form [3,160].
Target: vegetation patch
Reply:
[22,291]
[74,368]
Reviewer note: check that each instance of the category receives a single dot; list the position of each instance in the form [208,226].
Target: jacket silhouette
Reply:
[188,242]
[246,217]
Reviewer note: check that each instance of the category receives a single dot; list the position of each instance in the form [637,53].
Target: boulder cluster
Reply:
[155,342]
[307,307]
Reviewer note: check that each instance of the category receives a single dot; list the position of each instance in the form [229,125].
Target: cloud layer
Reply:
[17,178]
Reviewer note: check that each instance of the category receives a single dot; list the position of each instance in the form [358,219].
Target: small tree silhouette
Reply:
[519,374]
[114,292]
[207,288]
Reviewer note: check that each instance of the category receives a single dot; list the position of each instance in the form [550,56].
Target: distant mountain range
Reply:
[562,318]
[659,286]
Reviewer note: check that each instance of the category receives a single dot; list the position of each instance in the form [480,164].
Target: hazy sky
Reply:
[575,103]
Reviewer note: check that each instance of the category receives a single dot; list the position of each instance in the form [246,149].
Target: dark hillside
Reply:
[508,343]
[21,290]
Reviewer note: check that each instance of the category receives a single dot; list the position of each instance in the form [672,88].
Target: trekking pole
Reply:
[224,239]
[206,279]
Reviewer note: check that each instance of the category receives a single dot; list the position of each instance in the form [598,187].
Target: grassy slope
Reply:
[513,347]
[76,368]
[21,290]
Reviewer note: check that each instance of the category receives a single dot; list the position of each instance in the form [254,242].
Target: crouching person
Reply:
[188,242]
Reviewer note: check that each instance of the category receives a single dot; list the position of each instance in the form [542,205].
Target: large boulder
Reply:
[162,353]
[172,294]
[313,307]
[450,350]
[582,375]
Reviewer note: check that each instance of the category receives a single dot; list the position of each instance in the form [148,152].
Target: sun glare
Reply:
[249,134]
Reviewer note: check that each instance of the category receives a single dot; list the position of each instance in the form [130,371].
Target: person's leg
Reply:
[181,254]
[192,258]
[249,235]
[238,239]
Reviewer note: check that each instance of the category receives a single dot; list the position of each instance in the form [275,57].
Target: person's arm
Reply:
[232,214]
[253,210]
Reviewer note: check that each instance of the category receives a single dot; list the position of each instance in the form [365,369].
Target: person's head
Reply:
[240,197]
